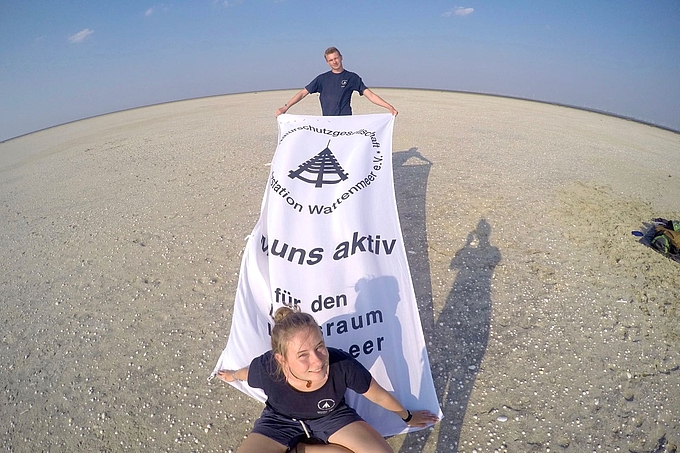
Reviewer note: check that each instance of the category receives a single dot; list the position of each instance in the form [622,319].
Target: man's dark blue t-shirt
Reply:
[335,91]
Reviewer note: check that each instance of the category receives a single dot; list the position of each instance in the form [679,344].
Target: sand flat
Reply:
[548,325]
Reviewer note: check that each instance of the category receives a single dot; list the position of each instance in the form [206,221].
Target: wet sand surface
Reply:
[549,327]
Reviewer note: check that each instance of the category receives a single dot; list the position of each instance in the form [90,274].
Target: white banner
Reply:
[329,241]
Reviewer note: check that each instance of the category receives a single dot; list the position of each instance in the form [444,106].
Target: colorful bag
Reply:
[666,238]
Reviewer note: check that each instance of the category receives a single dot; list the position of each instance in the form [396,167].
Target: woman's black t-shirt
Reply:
[344,372]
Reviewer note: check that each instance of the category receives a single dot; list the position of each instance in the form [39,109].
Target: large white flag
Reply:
[329,241]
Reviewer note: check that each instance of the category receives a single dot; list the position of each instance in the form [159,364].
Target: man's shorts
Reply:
[289,432]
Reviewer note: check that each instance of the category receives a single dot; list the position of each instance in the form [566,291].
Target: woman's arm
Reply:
[294,100]
[233,375]
[383,398]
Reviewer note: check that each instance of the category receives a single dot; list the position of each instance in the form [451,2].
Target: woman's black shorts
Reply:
[289,432]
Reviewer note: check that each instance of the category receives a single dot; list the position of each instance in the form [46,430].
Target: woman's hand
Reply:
[421,419]
[233,375]
[227,375]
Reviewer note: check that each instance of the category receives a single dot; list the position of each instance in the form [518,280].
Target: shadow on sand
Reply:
[458,335]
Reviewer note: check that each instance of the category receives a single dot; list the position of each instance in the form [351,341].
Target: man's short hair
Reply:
[331,50]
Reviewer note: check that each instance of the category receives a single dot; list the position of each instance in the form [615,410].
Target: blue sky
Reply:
[62,61]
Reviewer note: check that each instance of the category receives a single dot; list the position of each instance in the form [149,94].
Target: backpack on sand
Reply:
[666,238]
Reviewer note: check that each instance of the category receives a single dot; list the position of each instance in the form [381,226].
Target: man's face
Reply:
[334,60]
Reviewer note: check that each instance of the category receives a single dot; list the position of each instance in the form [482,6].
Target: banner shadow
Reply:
[460,332]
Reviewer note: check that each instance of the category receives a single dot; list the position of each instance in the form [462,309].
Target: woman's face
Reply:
[307,356]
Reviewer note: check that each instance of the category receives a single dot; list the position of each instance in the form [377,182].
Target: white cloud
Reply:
[227,3]
[159,8]
[81,36]
[459,11]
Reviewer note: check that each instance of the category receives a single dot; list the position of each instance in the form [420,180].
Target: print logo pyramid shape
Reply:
[326,404]
[320,169]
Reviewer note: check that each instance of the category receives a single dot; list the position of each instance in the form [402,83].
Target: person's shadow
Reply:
[381,295]
[463,330]
[375,314]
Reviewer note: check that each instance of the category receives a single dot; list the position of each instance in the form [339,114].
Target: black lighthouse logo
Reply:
[320,169]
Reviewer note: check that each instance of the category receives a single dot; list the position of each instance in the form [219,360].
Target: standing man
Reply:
[335,89]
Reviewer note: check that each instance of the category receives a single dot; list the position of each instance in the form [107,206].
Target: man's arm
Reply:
[294,100]
[377,100]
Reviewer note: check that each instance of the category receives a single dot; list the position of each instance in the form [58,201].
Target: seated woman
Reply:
[305,384]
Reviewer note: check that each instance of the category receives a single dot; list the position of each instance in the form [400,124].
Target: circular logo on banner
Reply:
[326,404]
[326,163]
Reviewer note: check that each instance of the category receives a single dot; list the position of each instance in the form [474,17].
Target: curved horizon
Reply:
[576,107]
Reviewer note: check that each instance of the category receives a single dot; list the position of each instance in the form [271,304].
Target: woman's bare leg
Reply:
[355,437]
[257,443]
[319,448]
[359,437]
